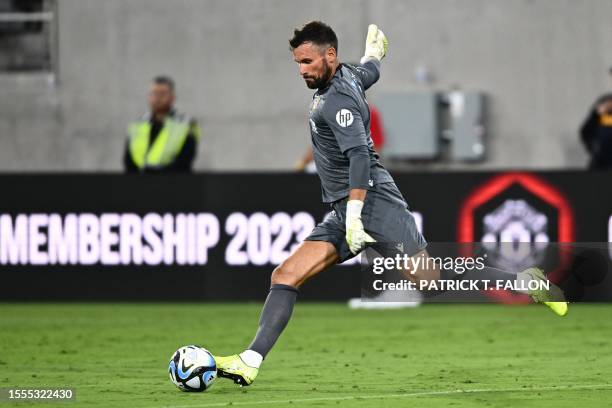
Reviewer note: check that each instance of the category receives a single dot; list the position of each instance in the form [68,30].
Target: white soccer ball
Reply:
[192,368]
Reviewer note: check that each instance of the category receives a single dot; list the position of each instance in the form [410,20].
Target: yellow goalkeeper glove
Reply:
[356,237]
[377,44]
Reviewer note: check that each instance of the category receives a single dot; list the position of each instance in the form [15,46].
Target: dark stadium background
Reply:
[439,201]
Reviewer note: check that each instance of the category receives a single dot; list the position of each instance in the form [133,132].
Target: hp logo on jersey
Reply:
[344,117]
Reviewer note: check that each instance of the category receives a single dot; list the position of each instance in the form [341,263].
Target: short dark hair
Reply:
[164,80]
[315,32]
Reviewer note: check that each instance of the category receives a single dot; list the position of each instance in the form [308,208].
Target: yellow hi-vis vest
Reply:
[166,146]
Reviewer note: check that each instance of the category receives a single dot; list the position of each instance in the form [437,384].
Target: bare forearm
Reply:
[357,194]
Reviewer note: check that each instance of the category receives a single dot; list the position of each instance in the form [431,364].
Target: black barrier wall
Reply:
[218,236]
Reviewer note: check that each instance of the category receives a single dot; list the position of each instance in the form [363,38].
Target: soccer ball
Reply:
[192,368]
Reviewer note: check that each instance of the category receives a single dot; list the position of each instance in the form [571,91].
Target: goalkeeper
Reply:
[359,189]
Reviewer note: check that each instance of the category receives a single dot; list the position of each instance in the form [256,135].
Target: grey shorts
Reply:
[385,217]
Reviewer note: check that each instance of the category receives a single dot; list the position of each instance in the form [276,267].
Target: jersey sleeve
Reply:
[369,72]
[342,115]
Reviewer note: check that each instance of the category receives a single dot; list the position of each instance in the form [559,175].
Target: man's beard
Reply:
[321,81]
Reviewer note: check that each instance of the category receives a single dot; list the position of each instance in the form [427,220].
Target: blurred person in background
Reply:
[596,133]
[162,140]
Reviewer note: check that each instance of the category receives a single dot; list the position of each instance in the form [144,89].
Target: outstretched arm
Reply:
[376,48]
[369,72]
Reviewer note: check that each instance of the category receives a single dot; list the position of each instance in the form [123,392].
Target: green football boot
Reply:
[553,297]
[234,368]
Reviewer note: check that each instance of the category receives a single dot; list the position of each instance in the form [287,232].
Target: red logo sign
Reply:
[537,191]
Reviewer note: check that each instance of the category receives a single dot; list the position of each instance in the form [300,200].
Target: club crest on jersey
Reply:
[315,102]
[344,117]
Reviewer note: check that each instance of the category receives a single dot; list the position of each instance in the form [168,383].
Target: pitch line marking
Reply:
[391,396]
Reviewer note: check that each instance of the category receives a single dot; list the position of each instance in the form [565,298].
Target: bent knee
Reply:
[286,274]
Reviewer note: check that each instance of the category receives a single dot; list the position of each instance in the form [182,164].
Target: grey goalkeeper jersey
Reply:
[340,120]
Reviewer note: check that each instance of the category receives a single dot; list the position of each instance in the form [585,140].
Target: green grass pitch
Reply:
[116,355]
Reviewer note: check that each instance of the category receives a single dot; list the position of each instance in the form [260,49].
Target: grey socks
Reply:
[274,317]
